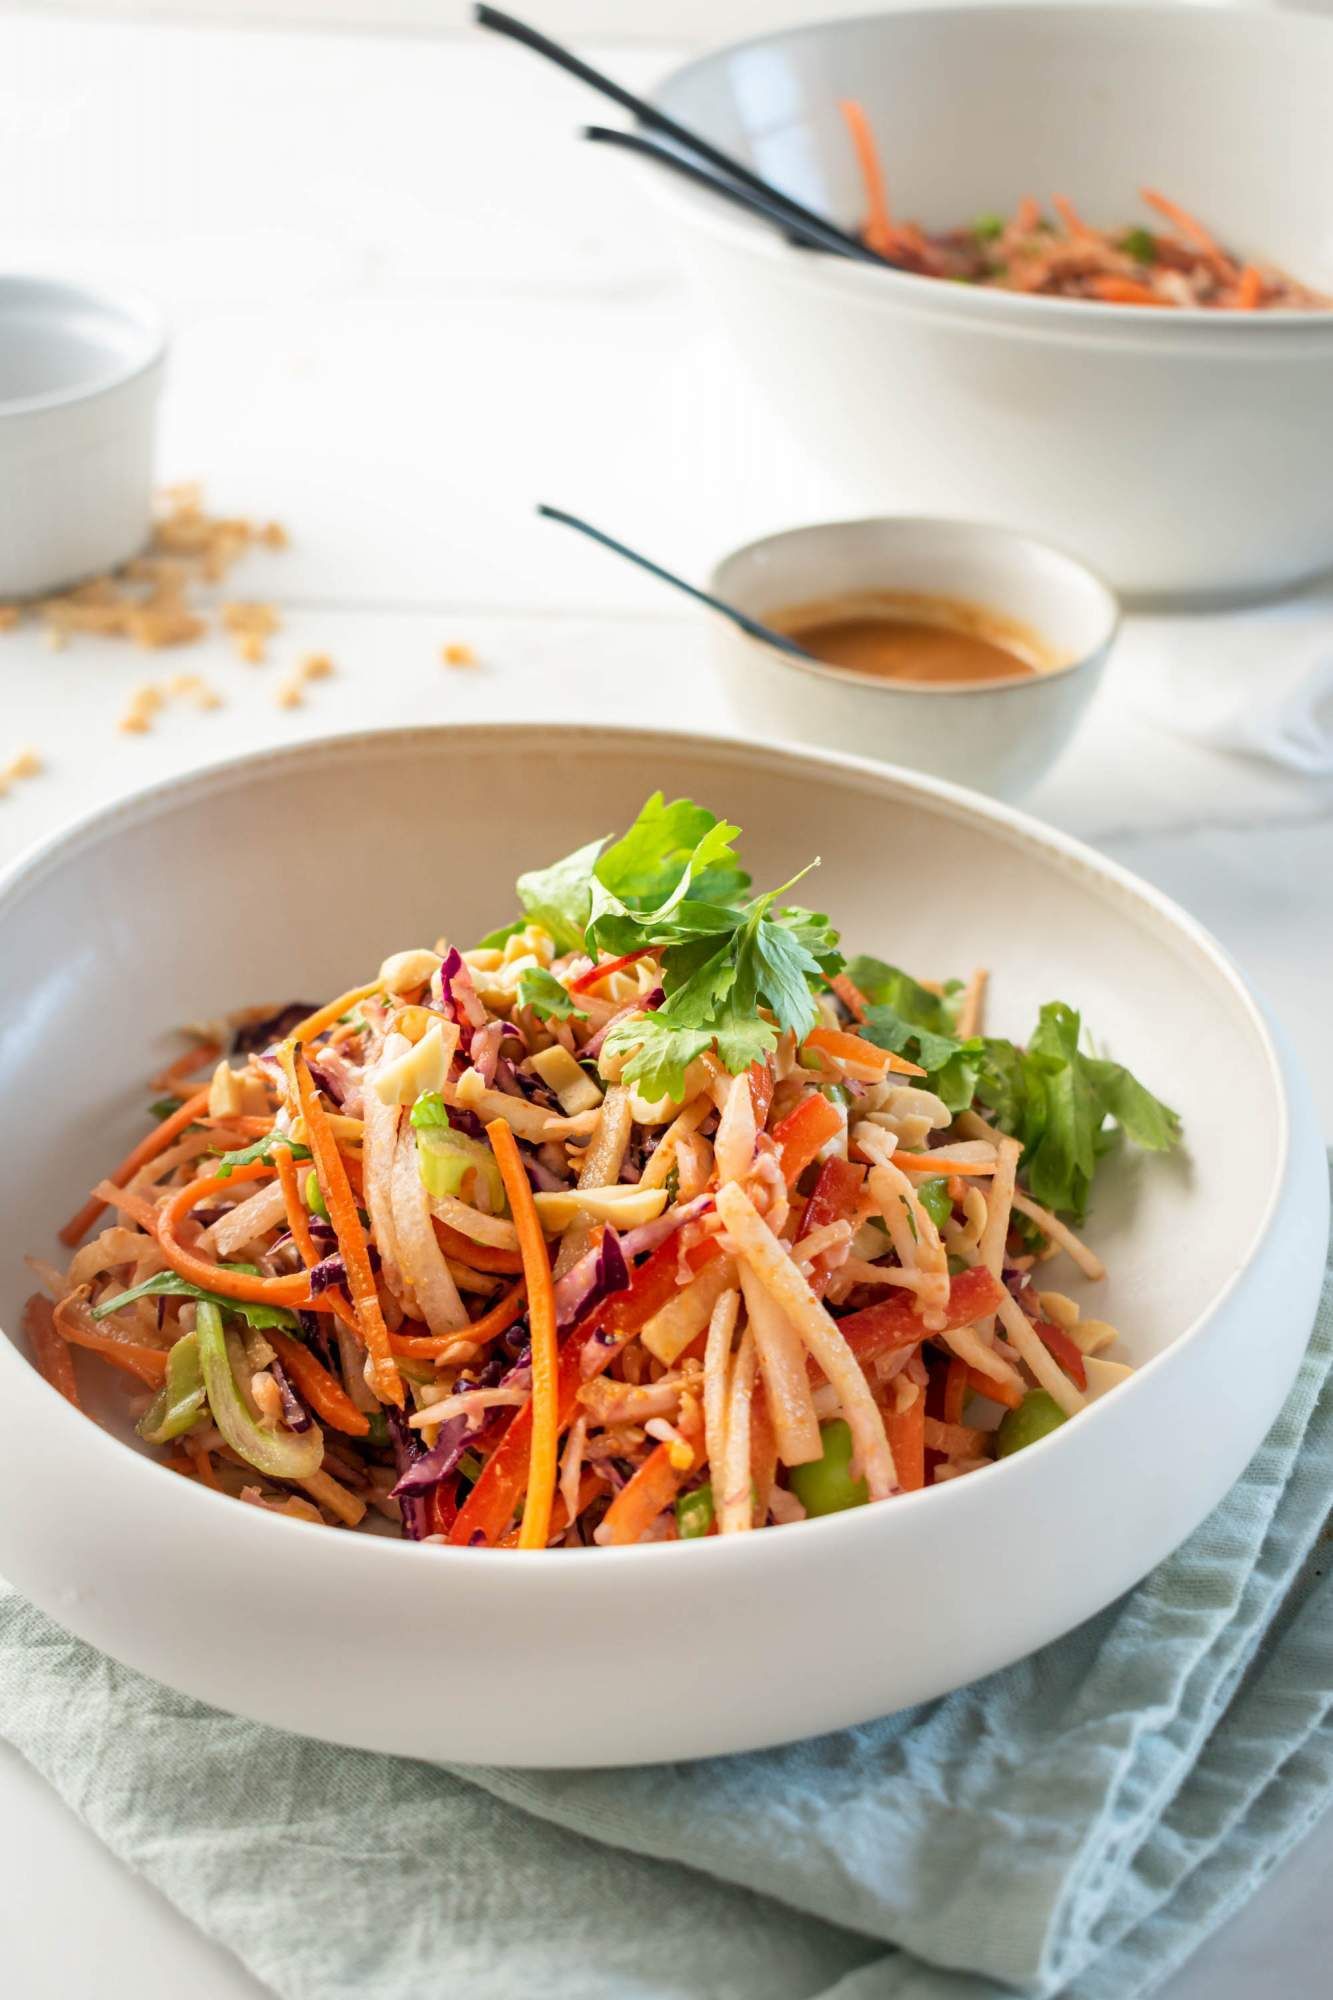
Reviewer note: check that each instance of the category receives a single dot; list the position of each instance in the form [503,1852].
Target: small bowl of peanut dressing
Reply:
[952,647]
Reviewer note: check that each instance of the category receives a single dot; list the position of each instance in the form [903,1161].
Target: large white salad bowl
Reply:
[204,894]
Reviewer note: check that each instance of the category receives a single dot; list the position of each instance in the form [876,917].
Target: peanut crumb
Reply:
[316,667]
[26,764]
[10,614]
[250,647]
[290,694]
[456,654]
[134,722]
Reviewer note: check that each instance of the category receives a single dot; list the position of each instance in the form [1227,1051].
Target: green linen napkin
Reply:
[1075,1825]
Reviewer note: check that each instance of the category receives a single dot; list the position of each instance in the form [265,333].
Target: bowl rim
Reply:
[23,876]
[1029,312]
[947,525]
[131,306]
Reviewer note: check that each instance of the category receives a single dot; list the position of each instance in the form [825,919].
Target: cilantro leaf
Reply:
[911,1021]
[259,1316]
[662,1052]
[1058,1101]
[261,1149]
[560,897]
[548,999]
[668,846]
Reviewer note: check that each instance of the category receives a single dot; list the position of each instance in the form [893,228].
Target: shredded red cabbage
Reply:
[250,1037]
[295,1414]
[407,1450]
[427,1470]
[598,1275]
[454,992]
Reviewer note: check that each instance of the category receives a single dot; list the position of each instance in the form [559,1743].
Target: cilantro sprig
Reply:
[737,969]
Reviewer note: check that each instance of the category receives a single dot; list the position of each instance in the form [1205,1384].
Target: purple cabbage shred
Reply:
[599,1274]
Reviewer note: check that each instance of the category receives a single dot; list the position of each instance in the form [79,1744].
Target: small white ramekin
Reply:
[80,375]
[998,736]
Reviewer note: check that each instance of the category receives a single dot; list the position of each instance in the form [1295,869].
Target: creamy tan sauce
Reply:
[901,637]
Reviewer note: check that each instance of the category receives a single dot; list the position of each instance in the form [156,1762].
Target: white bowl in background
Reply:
[1000,736]
[1184,454]
[604,1656]
[80,376]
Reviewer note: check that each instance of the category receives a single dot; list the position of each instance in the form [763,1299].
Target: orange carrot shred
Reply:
[331,1173]
[222,1278]
[543,1451]
[49,1348]
[879,231]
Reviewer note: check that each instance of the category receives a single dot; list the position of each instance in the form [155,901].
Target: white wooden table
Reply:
[407,305]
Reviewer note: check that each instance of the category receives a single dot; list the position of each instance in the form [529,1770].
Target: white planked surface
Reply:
[408,304]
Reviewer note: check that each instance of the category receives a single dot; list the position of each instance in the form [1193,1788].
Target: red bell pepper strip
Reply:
[832,1199]
[799,1136]
[1067,1352]
[490,1505]
[608,966]
[895,1322]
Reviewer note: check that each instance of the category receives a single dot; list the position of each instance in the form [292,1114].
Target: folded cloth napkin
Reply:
[1075,1825]
[1257,682]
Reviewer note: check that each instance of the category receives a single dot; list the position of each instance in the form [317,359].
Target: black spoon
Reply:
[814,235]
[658,121]
[737,617]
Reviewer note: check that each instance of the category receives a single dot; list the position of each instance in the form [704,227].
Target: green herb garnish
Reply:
[260,1317]
[262,1149]
[1141,245]
[548,999]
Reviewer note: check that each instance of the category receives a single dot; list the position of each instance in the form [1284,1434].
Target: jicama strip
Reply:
[732,1500]
[529,1121]
[1050,1225]
[717,1366]
[819,1331]
[663,1156]
[470,1222]
[468,1403]
[912,1230]
[423,1263]
[999,1201]
[348,1507]
[115,1246]
[600,1167]
[670,1331]
[249,1219]
[786,1378]
[380,1150]
[571,1468]
[733,1145]
[1048,1373]
[972,1005]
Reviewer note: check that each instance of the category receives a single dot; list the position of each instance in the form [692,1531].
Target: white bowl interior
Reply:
[114,936]
[60,340]
[1056,598]
[974,107]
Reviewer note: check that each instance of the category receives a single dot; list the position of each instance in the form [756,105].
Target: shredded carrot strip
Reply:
[147,1149]
[327,1017]
[906,1432]
[596,973]
[1117,291]
[495,1320]
[202,1461]
[541,1321]
[332,1175]
[175,1074]
[850,994]
[1008,1393]
[762,1085]
[1069,215]
[231,1284]
[955,1392]
[322,1391]
[1250,289]
[799,1136]
[856,1049]
[653,1487]
[50,1350]
[1188,225]
[940,1163]
[879,231]
[1027,215]
[298,1222]
[146,1364]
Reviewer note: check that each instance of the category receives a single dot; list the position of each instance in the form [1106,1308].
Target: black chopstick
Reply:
[815,236]
[742,618]
[658,121]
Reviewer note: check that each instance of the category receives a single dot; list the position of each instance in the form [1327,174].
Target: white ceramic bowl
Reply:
[1183,454]
[617,1655]
[80,376]
[999,736]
